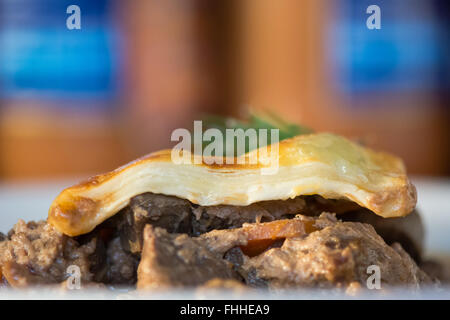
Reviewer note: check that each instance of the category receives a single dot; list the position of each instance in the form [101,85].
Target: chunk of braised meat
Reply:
[19,276]
[36,253]
[171,213]
[408,231]
[336,255]
[174,260]
[117,266]
[121,264]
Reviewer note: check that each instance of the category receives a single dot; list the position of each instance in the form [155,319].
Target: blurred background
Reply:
[78,102]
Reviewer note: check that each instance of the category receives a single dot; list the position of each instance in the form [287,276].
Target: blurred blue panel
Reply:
[404,55]
[40,57]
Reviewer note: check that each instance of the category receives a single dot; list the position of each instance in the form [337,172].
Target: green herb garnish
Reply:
[256,120]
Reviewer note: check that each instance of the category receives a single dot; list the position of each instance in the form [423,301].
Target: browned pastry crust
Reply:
[322,164]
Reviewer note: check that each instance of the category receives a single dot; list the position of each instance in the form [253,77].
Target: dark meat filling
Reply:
[312,252]
[121,265]
[36,253]
[337,255]
[408,231]
[171,213]
[173,260]
[181,216]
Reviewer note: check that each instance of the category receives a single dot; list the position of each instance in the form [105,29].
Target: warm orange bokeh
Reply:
[183,58]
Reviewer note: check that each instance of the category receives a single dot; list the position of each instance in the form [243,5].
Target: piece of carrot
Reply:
[261,236]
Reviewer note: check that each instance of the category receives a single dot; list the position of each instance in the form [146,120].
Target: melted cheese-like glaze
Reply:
[323,164]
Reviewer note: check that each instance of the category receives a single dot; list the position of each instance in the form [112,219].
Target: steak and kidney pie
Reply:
[332,209]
